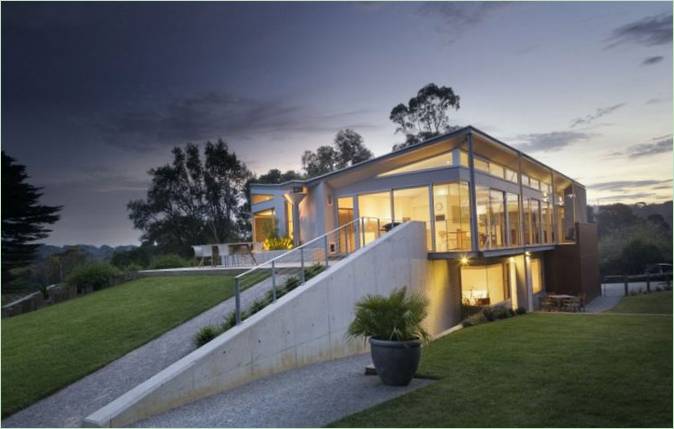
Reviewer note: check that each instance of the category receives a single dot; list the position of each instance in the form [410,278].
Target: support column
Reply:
[296,224]
[474,244]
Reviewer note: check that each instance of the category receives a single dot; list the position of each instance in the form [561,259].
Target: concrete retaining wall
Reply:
[308,325]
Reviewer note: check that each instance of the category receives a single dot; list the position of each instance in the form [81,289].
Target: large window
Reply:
[439,161]
[526,221]
[264,225]
[451,216]
[260,198]
[513,202]
[412,204]
[535,207]
[546,214]
[536,275]
[483,284]
[490,217]
[497,218]
[346,237]
[377,207]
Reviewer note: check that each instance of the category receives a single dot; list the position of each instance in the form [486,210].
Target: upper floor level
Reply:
[474,193]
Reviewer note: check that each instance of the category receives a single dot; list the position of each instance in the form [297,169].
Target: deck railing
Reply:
[297,265]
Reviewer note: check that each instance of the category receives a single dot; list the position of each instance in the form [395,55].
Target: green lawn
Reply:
[541,370]
[654,303]
[50,348]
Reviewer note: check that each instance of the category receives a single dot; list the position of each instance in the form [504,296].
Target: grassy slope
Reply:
[48,349]
[655,303]
[541,370]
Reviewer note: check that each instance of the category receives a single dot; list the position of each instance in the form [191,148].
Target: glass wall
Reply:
[535,207]
[546,215]
[483,284]
[496,218]
[513,205]
[451,216]
[264,225]
[482,205]
[413,204]
[490,217]
[346,238]
[438,161]
[377,207]
[526,219]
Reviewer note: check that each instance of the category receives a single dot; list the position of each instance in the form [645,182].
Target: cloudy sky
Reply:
[93,95]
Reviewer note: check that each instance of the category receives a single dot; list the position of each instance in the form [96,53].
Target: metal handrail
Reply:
[359,223]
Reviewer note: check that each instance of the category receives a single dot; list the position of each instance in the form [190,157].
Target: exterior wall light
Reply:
[464,260]
[527,253]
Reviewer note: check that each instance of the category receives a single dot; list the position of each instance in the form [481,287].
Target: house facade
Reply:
[507,226]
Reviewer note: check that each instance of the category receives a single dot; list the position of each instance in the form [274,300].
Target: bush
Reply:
[521,310]
[500,312]
[132,268]
[396,317]
[274,242]
[474,319]
[313,271]
[95,275]
[169,261]
[206,334]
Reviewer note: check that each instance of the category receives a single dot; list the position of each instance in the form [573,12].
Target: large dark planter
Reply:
[396,362]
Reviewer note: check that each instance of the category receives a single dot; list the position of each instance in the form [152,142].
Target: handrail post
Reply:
[627,285]
[302,264]
[237,291]
[273,281]
[648,282]
[326,251]
[378,228]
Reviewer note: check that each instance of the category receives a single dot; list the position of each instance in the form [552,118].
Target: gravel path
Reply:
[602,303]
[312,396]
[69,406]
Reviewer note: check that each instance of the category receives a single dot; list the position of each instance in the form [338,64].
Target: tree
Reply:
[614,216]
[192,201]
[274,176]
[24,219]
[426,115]
[348,149]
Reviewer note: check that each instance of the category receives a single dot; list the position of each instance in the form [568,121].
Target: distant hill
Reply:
[101,253]
[644,210]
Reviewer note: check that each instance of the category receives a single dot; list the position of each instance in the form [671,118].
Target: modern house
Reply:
[515,226]
[461,219]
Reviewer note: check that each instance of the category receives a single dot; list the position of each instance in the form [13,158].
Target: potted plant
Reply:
[393,326]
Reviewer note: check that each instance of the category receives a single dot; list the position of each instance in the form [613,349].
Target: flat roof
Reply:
[465,130]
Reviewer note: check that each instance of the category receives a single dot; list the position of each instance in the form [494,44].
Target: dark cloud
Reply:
[214,115]
[598,113]
[658,145]
[649,31]
[658,100]
[634,196]
[551,141]
[652,60]
[623,185]
[457,17]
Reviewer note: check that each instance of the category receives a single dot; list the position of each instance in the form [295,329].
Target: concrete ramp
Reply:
[307,325]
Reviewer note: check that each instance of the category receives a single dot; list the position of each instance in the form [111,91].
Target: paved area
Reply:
[69,406]
[312,396]
[602,303]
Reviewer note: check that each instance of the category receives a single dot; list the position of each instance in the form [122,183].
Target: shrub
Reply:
[206,334]
[168,261]
[500,312]
[521,310]
[132,268]
[313,271]
[397,317]
[468,310]
[275,242]
[474,319]
[95,275]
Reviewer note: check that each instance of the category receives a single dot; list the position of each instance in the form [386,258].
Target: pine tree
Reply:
[23,218]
